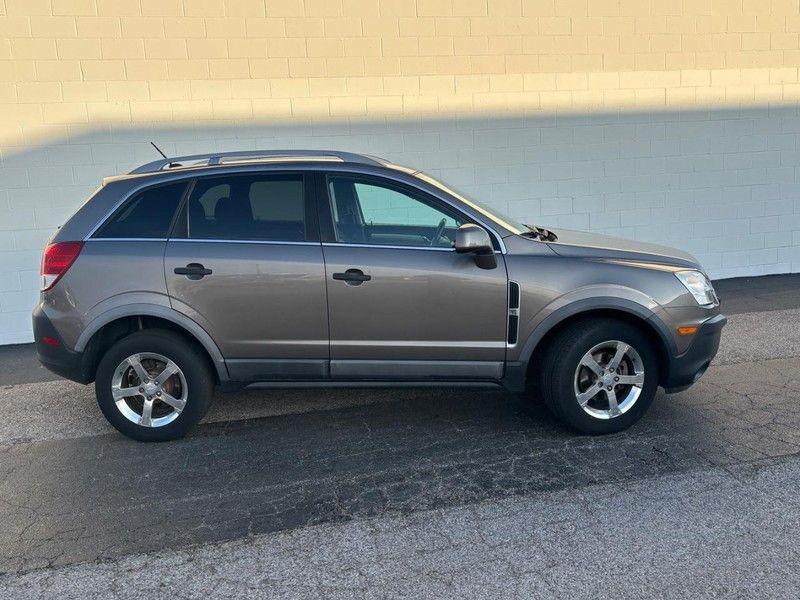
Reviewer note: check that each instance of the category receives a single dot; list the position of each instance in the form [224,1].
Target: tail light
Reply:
[57,258]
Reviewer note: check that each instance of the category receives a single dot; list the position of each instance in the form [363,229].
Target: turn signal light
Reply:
[689,330]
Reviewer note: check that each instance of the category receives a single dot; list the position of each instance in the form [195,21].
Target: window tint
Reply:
[147,215]
[253,207]
[385,206]
[371,213]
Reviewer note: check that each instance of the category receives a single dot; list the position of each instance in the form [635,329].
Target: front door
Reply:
[401,303]
[246,264]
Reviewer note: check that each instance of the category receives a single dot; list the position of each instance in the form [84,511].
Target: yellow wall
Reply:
[668,121]
[89,61]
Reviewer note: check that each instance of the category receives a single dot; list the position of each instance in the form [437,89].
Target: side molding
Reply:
[163,312]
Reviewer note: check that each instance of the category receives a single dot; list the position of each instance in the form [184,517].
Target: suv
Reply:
[310,266]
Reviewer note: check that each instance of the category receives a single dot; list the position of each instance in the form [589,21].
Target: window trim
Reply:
[309,199]
[388,246]
[123,204]
[327,228]
[127,239]
[224,241]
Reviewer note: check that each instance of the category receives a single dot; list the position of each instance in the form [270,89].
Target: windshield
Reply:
[490,213]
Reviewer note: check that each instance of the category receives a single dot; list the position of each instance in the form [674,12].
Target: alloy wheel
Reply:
[149,389]
[609,379]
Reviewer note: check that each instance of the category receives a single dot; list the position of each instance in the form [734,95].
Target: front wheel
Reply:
[153,386]
[599,376]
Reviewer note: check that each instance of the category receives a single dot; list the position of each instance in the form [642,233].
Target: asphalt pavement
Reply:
[417,492]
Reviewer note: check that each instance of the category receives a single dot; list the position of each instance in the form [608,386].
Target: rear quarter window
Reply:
[147,215]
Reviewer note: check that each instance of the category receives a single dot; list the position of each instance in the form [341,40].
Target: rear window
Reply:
[147,215]
[252,207]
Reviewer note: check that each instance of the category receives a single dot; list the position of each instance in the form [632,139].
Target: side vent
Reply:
[513,312]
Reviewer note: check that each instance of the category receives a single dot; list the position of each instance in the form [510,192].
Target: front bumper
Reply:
[57,358]
[688,367]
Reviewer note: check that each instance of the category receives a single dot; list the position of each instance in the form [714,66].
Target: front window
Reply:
[369,212]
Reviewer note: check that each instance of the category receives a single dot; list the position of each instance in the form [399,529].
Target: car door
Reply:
[246,263]
[402,304]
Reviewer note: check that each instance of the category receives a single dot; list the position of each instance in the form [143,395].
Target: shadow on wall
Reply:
[721,184]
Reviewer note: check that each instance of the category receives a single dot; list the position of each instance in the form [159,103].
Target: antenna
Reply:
[153,144]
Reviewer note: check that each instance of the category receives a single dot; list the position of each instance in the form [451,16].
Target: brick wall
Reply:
[666,121]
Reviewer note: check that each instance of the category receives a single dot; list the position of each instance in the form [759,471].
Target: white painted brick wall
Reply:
[721,184]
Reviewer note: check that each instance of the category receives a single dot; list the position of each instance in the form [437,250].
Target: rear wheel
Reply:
[153,386]
[599,376]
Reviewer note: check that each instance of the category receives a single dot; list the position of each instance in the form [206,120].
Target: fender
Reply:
[559,310]
[162,312]
[631,307]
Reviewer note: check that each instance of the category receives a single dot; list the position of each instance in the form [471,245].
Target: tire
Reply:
[189,389]
[563,378]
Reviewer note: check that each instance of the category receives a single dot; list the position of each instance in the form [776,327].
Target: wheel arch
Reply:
[611,307]
[110,326]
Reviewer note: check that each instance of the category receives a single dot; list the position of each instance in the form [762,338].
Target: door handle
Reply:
[352,277]
[193,271]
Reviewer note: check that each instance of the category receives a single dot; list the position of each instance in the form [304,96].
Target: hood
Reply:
[595,245]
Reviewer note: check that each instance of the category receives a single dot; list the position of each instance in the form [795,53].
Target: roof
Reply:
[249,156]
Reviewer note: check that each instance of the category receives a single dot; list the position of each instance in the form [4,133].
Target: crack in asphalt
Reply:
[283,463]
[98,498]
[676,535]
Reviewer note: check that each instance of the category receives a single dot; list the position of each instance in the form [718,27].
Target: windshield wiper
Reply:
[540,233]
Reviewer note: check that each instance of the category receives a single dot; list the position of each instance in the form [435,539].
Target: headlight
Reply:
[700,287]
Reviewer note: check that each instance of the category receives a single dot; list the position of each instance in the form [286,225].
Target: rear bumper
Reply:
[56,357]
[687,368]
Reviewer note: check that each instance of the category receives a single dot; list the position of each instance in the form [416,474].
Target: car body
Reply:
[329,267]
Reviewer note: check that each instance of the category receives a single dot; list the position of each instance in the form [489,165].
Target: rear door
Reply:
[402,304]
[246,263]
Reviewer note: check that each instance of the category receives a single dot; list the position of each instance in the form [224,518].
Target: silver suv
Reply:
[227,270]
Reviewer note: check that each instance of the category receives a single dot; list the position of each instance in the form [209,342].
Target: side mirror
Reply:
[474,240]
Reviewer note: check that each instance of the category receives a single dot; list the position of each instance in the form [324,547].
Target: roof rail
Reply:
[218,158]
